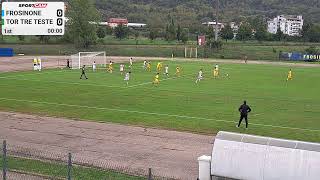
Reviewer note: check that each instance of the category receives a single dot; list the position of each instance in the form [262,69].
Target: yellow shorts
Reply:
[215,73]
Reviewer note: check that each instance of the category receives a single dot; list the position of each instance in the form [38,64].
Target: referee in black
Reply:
[68,64]
[244,109]
[83,70]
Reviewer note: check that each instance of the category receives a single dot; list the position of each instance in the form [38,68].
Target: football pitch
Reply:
[279,108]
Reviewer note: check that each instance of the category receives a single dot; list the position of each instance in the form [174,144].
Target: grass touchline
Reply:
[158,114]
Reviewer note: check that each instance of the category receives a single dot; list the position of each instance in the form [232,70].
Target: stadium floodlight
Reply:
[87,58]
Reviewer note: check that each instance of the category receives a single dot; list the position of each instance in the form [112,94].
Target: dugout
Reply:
[241,156]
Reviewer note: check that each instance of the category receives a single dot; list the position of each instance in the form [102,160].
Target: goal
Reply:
[87,58]
[191,52]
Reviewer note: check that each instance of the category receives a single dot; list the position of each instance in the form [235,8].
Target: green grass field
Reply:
[280,109]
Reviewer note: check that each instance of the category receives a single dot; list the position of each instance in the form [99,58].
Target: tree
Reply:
[210,32]
[305,30]
[171,33]
[184,36]
[244,32]
[312,50]
[121,31]
[179,31]
[227,33]
[212,44]
[44,39]
[261,33]
[311,33]
[279,35]
[136,35]
[101,32]
[82,31]
[153,34]
[21,38]
[109,30]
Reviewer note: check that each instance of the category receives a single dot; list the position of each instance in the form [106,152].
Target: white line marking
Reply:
[158,114]
[258,114]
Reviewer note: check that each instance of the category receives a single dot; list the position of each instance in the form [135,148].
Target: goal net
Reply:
[191,52]
[87,58]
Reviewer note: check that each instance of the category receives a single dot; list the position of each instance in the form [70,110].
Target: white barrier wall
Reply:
[204,167]
[250,157]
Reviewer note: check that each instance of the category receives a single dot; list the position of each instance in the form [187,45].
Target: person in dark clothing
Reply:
[244,109]
[83,70]
[68,64]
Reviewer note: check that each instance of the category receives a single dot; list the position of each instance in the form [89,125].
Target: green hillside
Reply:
[192,12]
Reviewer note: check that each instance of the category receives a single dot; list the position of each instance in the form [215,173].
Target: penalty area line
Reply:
[153,113]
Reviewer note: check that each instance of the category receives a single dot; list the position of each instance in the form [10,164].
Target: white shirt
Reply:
[167,69]
[217,67]
[144,63]
[130,61]
[121,67]
[200,74]
[127,77]
[94,65]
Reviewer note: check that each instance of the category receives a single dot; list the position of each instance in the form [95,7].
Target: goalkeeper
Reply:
[83,72]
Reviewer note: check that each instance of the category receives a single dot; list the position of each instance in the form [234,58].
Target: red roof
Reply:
[118,20]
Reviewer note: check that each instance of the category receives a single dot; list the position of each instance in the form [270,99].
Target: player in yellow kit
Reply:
[159,66]
[156,80]
[110,67]
[178,71]
[149,66]
[216,71]
[289,75]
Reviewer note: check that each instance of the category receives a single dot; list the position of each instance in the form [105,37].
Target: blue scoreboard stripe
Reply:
[2,13]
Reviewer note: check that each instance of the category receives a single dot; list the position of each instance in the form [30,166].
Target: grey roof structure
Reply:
[245,138]
[249,157]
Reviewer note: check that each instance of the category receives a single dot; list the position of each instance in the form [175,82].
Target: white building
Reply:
[213,24]
[288,24]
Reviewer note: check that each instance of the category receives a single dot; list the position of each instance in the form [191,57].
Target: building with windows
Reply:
[289,24]
[114,22]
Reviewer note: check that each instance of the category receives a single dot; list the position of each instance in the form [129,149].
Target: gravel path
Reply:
[19,63]
[128,149]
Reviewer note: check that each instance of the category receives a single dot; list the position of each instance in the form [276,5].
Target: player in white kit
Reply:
[39,64]
[127,77]
[144,64]
[94,66]
[121,69]
[166,70]
[200,76]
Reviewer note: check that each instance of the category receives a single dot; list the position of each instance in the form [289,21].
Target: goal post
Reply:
[191,52]
[87,58]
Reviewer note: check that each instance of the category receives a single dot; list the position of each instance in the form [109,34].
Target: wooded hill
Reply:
[190,13]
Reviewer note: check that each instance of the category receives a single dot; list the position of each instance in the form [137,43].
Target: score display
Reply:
[33,18]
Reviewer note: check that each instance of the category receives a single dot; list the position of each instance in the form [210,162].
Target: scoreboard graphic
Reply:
[33,18]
